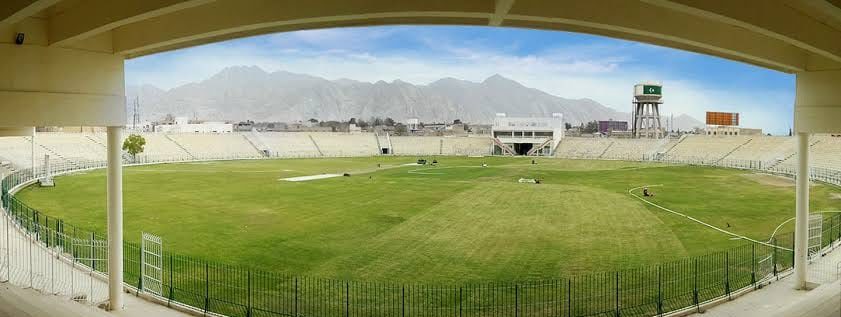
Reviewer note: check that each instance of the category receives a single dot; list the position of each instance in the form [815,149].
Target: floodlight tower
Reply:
[647,100]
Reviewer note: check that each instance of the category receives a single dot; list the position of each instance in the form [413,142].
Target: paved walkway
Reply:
[781,299]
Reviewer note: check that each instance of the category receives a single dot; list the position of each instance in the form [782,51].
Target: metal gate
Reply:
[815,234]
[151,268]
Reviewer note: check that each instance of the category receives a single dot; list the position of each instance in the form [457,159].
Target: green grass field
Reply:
[454,222]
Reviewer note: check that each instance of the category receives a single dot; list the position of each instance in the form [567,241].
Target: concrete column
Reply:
[32,154]
[115,219]
[801,224]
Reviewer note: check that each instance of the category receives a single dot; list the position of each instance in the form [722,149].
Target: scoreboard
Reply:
[723,118]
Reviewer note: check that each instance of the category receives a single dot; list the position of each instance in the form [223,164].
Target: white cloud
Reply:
[597,71]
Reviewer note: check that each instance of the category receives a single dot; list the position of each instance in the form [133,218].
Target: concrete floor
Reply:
[782,300]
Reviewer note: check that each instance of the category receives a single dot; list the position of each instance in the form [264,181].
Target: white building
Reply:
[183,125]
[527,135]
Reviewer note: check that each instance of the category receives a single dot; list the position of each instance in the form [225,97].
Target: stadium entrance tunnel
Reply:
[523,148]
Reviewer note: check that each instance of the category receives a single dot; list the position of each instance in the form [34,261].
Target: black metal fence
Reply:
[239,291]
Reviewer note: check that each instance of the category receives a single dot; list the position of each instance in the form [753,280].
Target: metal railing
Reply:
[72,261]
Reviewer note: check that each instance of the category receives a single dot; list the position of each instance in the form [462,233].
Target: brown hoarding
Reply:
[722,118]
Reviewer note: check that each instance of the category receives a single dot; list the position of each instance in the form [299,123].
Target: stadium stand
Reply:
[629,149]
[764,148]
[82,148]
[290,144]
[341,144]
[582,147]
[214,146]
[825,153]
[705,149]
[159,147]
[70,146]
[16,150]
[467,146]
[416,145]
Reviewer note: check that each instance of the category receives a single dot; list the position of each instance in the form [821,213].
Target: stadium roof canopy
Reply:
[61,61]
[72,54]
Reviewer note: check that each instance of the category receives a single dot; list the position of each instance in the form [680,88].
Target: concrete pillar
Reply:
[817,109]
[115,219]
[32,154]
[801,221]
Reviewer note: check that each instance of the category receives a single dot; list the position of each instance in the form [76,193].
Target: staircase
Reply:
[666,151]
[534,150]
[316,145]
[555,148]
[379,146]
[789,156]
[52,153]
[257,142]
[605,149]
[733,150]
[506,150]
[94,140]
[180,146]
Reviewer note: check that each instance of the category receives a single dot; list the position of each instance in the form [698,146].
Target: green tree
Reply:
[134,145]
[400,129]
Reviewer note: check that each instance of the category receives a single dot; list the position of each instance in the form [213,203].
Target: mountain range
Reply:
[250,93]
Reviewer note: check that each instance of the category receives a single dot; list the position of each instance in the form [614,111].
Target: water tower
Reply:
[646,112]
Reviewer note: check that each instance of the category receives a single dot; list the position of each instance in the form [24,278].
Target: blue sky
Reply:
[569,65]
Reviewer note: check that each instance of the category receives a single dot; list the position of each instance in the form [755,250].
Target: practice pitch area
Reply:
[455,221]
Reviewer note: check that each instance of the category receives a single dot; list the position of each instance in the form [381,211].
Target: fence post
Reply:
[248,311]
[171,282]
[569,297]
[617,294]
[403,301]
[659,290]
[516,300]
[206,287]
[459,301]
[347,299]
[774,259]
[140,277]
[727,274]
[753,265]
[695,288]
[93,252]
[296,296]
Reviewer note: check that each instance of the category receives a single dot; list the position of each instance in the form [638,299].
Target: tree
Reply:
[313,120]
[352,121]
[134,145]
[400,129]
[567,126]
[591,127]
[389,122]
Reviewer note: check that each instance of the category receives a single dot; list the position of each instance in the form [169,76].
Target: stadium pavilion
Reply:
[62,60]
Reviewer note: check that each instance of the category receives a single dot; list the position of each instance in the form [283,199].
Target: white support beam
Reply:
[500,10]
[14,11]
[774,19]
[98,16]
[817,102]
[642,22]
[115,218]
[801,221]
[637,21]
[17,131]
[226,19]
